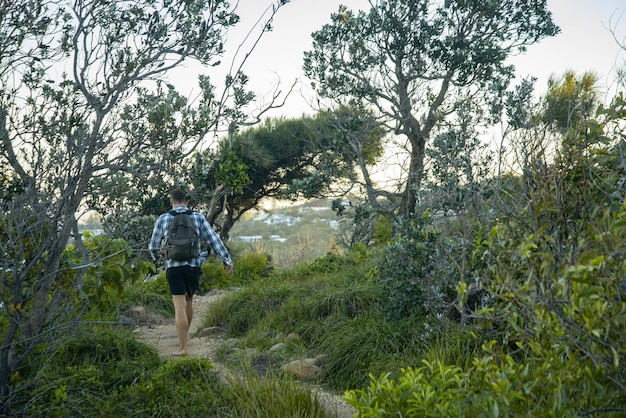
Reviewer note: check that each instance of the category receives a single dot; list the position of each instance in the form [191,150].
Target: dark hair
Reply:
[178,196]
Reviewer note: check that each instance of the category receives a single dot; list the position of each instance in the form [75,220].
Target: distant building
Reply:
[277,238]
[248,238]
[281,219]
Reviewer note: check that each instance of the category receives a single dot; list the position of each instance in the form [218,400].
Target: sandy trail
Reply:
[164,338]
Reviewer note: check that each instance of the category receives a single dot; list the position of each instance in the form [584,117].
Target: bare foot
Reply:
[181,353]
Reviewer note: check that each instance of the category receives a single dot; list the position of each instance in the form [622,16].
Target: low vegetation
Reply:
[464,291]
[485,312]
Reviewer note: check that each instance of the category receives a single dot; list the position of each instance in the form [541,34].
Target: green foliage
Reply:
[407,267]
[272,396]
[453,55]
[433,390]
[495,384]
[91,365]
[185,388]
[570,99]
[10,185]
[357,223]
[459,164]
[550,342]
[134,229]
[153,293]
[570,316]
[383,230]
[355,346]
[156,284]
[112,270]
[332,304]
[281,159]
[233,172]
[214,276]
[450,344]
[328,263]
[25,234]
[302,296]
[244,309]
[252,266]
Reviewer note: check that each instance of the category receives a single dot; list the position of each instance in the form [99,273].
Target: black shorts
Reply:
[183,280]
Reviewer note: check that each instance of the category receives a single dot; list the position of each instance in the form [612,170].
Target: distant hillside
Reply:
[292,234]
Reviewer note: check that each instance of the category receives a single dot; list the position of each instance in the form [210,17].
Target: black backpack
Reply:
[182,239]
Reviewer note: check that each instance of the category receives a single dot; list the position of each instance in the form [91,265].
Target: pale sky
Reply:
[585,43]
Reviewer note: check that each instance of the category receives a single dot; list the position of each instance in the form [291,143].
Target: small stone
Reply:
[311,361]
[277,347]
[261,364]
[137,312]
[322,358]
[301,368]
[211,331]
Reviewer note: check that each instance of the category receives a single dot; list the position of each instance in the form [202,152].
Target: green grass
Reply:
[272,396]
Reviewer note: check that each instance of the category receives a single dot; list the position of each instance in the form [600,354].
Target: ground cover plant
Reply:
[105,371]
[535,326]
[476,280]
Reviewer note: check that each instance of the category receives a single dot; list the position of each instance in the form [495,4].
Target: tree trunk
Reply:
[408,203]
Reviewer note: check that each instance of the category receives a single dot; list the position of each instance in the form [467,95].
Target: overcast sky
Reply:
[585,43]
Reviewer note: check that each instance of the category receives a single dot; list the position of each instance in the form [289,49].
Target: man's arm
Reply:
[154,246]
[215,242]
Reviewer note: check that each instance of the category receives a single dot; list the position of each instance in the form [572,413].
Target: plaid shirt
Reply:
[159,233]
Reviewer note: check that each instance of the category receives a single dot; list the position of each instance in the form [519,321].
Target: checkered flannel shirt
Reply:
[159,233]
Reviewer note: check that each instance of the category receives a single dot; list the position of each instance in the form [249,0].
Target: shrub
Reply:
[568,317]
[355,345]
[185,388]
[406,268]
[132,228]
[494,385]
[273,396]
[214,276]
[92,364]
[112,270]
[244,309]
[433,390]
[145,295]
[252,266]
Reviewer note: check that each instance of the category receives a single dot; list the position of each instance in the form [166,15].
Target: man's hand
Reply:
[228,268]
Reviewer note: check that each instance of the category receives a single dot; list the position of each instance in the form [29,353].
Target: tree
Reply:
[69,73]
[570,99]
[417,62]
[281,159]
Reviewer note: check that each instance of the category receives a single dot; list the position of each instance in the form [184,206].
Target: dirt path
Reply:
[164,338]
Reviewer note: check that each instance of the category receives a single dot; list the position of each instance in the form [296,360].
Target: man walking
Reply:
[183,275]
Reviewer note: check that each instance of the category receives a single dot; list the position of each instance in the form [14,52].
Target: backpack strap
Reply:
[174,212]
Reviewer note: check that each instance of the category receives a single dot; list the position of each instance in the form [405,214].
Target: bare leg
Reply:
[182,322]
[189,310]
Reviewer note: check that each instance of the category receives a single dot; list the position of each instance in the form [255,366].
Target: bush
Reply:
[434,390]
[132,228]
[184,388]
[104,281]
[272,396]
[355,346]
[406,271]
[252,266]
[91,365]
[495,385]
[244,309]
[155,302]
